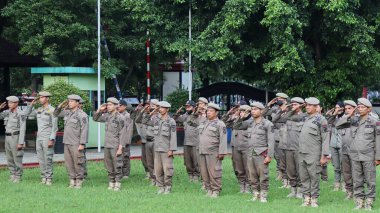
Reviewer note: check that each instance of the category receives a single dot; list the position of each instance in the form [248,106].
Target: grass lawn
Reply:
[138,196]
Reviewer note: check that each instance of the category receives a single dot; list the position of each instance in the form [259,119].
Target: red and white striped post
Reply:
[148,66]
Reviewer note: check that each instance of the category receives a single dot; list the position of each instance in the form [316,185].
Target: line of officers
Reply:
[118,136]
[302,143]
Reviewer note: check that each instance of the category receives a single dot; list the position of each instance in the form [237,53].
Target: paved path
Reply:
[30,156]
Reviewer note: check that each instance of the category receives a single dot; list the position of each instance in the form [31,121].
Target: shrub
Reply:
[59,90]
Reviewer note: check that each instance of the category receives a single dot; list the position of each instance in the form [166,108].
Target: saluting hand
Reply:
[2,106]
[63,104]
[179,110]
[270,103]
[35,100]
[103,107]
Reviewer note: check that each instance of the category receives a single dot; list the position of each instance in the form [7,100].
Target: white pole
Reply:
[99,57]
[190,74]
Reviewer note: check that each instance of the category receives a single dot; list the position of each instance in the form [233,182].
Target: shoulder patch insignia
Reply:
[84,120]
[121,124]
[23,117]
[272,129]
[224,130]
[325,128]
[173,127]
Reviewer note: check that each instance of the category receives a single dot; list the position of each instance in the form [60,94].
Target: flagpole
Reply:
[190,74]
[99,71]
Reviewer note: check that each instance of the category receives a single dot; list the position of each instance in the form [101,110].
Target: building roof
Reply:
[63,70]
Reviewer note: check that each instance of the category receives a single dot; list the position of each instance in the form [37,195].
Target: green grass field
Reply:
[138,196]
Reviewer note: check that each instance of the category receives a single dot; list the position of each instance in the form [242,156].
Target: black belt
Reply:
[10,134]
[149,139]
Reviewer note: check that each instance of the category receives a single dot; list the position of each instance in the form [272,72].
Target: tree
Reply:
[328,49]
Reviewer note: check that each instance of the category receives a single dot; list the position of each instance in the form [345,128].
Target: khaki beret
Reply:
[202,99]
[13,99]
[257,104]
[154,101]
[282,95]
[312,101]
[44,94]
[245,107]
[297,100]
[365,102]
[74,97]
[113,100]
[350,102]
[164,104]
[214,106]
[81,101]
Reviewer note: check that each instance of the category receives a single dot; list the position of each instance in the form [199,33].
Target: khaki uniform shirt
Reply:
[315,136]
[213,137]
[15,122]
[165,132]
[76,126]
[115,128]
[47,123]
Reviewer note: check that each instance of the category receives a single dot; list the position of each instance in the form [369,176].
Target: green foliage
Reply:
[60,89]
[178,98]
[108,68]
[328,49]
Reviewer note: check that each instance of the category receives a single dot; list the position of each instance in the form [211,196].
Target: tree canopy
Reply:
[324,48]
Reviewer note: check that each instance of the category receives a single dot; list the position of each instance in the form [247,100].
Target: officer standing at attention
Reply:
[15,126]
[148,122]
[364,152]
[280,136]
[75,138]
[113,142]
[47,128]
[240,154]
[333,116]
[347,140]
[212,149]
[229,120]
[294,121]
[198,117]
[191,141]
[165,131]
[126,142]
[313,151]
[141,129]
[261,151]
